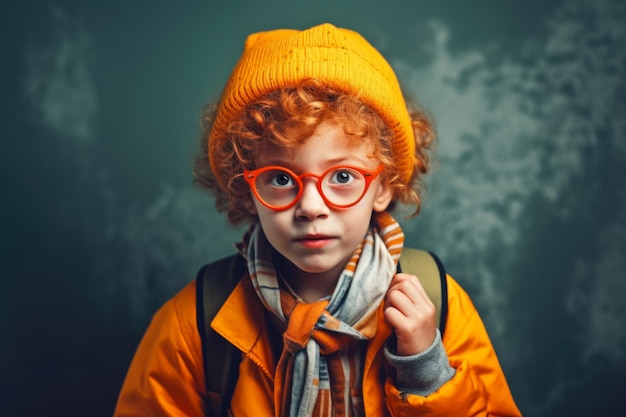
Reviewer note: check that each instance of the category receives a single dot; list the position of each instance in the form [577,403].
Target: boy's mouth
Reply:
[314,241]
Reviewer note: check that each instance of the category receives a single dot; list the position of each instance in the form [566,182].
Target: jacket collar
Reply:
[241,321]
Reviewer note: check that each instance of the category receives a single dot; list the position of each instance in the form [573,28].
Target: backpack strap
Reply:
[431,273]
[214,283]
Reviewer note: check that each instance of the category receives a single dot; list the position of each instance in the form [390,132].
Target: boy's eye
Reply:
[281,180]
[343,176]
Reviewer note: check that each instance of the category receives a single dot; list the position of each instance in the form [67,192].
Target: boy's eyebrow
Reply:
[342,160]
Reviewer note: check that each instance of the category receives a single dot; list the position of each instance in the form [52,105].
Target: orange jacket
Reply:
[166,375]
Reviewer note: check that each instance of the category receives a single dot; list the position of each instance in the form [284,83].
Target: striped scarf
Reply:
[320,367]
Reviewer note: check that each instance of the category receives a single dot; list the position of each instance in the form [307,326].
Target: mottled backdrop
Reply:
[99,221]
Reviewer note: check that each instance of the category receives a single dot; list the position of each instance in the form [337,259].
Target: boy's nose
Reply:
[311,204]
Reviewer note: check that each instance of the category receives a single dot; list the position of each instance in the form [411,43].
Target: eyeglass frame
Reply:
[369,175]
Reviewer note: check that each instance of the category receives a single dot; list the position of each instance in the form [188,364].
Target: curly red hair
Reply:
[286,118]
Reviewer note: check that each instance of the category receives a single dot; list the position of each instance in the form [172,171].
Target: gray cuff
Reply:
[423,373]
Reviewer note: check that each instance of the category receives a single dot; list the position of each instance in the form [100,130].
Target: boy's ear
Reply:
[384,196]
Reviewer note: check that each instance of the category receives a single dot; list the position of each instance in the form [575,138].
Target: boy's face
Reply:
[311,235]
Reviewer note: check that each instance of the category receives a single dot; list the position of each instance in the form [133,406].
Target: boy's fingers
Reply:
[411,287]
[400,301]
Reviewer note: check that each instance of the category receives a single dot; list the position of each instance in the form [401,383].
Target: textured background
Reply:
[99,222]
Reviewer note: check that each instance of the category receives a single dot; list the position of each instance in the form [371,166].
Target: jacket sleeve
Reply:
[166,375]
[478,387]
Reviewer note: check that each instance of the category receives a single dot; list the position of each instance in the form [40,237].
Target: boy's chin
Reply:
[306,267]
[312,266]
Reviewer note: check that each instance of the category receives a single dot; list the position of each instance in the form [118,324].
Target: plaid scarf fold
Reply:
[320,368]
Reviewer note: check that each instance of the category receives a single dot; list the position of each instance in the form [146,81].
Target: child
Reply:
[312,144]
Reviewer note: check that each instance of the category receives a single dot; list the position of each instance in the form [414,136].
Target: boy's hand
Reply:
[411,314]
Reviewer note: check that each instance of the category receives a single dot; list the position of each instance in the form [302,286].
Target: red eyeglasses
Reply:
[279,188]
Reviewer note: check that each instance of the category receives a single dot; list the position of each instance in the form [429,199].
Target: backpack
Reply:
[221,368]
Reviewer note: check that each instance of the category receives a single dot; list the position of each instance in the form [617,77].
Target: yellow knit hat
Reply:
[342,58]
